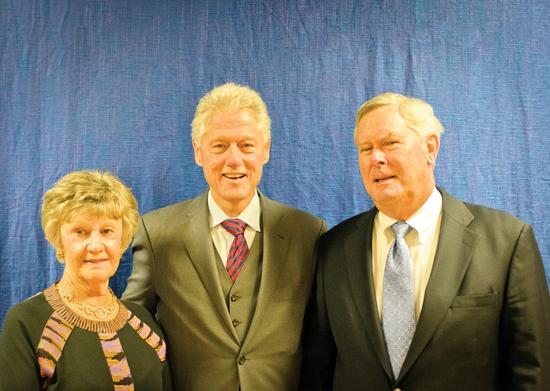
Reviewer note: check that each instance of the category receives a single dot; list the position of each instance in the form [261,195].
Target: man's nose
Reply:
[234,157]
[377,157]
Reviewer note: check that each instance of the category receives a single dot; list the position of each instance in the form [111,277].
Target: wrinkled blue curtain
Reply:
[113,85]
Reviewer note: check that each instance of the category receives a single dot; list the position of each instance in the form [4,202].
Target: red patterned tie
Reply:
[238,250]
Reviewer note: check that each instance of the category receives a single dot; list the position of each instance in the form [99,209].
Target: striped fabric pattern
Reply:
[51,344]
[148,335]
[238,252]
[57,331]
[116,361]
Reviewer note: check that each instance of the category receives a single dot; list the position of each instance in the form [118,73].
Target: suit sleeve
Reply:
[141,287]
[525,331]
[319,347]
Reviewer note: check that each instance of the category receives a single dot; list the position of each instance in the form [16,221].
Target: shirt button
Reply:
[235,322]
[242,359]
[235,297]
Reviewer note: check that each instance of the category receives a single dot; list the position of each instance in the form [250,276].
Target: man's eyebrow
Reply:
[389,134]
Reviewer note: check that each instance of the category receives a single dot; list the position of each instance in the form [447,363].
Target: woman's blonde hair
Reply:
[97,192]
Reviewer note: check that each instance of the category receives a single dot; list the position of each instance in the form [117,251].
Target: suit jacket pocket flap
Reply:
[474,300]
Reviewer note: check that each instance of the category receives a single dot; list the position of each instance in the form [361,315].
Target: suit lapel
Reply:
[195,233]
[453,255]
[276,237]
[358,257]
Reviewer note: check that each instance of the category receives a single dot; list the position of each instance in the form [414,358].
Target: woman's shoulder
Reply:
[27,318]
[31,309]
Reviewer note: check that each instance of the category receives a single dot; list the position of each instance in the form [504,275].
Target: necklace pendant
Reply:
[99,311]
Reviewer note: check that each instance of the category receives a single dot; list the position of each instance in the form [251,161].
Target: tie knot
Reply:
[234,226]
[400,229]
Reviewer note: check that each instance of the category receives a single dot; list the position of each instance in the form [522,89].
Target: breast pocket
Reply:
[477,300]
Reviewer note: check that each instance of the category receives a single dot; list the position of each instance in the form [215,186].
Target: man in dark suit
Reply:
[423,292]
[228,273]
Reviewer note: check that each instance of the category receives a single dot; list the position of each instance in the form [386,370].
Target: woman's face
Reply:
[92,246]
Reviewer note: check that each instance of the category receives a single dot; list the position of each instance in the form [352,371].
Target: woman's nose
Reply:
[95,242]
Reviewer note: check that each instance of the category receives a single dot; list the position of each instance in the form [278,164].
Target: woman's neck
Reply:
[95,294]
[95,302]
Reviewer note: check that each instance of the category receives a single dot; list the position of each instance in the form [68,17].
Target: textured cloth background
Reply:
[113,85]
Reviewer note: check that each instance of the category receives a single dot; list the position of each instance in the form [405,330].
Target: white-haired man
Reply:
[424,292]
[228,273]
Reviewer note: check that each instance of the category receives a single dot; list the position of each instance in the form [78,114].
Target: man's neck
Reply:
[402,210]
[230,209]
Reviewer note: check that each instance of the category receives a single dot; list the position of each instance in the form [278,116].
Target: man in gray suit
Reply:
[228,273]
[423,292]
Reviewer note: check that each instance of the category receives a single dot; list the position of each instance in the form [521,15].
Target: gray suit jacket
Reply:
[485,322]
[175,276]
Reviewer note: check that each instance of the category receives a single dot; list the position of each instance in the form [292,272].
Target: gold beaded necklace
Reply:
[99,312]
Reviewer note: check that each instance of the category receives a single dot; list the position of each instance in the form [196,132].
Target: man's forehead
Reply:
[384,132]
[384,121]
[230,115]
[231,134]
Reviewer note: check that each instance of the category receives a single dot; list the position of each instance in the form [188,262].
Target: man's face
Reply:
[232,153]
[395,162]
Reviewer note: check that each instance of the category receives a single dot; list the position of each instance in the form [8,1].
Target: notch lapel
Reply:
[453,255]
[196,235]
[276,237]
[358,255]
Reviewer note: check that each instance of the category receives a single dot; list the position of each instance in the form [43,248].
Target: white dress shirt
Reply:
[223,239]
[422,241]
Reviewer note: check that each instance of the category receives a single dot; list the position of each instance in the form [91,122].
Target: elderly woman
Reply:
[76,335]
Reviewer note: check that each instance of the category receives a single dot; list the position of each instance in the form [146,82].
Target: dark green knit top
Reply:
[124,352]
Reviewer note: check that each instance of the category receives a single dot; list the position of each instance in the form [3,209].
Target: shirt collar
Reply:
[250,215]
[423,220]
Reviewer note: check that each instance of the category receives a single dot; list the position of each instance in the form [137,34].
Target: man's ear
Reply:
[432,146]
[267,147]
[197,150]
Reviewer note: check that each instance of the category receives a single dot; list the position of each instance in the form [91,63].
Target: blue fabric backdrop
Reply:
[113,85]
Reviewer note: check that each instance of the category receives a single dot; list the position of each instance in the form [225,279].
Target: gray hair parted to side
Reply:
[230,97]
[417,114]
[97,192]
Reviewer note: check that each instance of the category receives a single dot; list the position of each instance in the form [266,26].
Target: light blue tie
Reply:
[398,299]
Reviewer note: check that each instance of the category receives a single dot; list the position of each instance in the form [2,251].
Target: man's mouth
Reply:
[234,176]
[384,179]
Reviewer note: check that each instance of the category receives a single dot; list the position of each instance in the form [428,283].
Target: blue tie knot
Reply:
[400,229]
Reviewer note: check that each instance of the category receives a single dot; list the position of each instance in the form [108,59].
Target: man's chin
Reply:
[383,193]
[385,198]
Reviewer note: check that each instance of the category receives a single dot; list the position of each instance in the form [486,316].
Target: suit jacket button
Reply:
[242,359]
[235,322]
[235,297]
